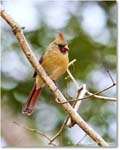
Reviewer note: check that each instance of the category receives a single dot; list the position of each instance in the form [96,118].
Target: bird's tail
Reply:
[31,101]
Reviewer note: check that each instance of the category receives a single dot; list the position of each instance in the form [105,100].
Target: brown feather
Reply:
[40,61]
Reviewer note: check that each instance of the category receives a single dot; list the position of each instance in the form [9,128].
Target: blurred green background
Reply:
[91,31]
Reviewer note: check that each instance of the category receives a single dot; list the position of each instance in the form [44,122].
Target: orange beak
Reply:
[66,48]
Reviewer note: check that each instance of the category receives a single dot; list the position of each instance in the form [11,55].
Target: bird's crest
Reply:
[59,36]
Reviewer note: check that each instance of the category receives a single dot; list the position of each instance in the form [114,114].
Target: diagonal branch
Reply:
[39,69]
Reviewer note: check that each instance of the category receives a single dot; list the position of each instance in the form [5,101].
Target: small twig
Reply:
[110,76]
[109,87]
[71,62]
[73,79]
[101,97]
[95,95]
[70,76]
[80,140]
[60,130]
[80,94]
[34,130]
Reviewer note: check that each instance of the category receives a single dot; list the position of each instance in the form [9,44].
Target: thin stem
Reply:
[60,130]
[80,140]
[95,96]
[110,76]
[34,130]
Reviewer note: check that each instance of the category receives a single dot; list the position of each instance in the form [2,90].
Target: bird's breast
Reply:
[55,63]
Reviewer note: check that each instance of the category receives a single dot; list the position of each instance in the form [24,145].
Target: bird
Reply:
[55,61]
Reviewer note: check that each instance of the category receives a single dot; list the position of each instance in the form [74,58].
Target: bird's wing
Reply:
[40,61]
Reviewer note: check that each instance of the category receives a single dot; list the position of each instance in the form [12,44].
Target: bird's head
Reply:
[61,43]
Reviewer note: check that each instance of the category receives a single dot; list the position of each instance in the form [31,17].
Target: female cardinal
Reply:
[55,61]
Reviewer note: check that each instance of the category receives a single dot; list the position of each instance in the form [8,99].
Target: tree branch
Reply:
[39,69]
[89,94]
[81,92]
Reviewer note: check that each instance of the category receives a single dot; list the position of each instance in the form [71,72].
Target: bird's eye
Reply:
[60,46]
